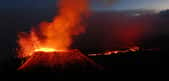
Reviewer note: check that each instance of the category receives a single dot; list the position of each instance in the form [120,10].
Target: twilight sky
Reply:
[138,4]
[96,4]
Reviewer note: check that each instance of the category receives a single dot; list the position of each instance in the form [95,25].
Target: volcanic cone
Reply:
[61,61]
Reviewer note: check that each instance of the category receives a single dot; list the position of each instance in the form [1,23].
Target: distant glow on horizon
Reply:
[136,4]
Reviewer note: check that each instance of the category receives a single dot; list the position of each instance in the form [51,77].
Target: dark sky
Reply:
[96,4]
[27,3]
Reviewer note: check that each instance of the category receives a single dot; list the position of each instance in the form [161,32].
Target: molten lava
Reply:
[47,50]
[115,52]
[58,34]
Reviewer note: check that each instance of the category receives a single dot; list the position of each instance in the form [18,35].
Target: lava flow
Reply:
[115,52]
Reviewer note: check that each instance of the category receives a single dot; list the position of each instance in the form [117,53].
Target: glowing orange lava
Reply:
[47,50]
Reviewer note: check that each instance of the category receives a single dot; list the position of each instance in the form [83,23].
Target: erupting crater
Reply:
[59,61]
[41,42]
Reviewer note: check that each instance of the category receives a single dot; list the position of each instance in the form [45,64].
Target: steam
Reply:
[59,33]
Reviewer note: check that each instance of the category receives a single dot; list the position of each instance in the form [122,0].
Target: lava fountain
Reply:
[58,34]
[48,45]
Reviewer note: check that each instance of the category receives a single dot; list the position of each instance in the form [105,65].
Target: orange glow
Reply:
[132,49]
[58,34]
[47,50]
[116,52]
